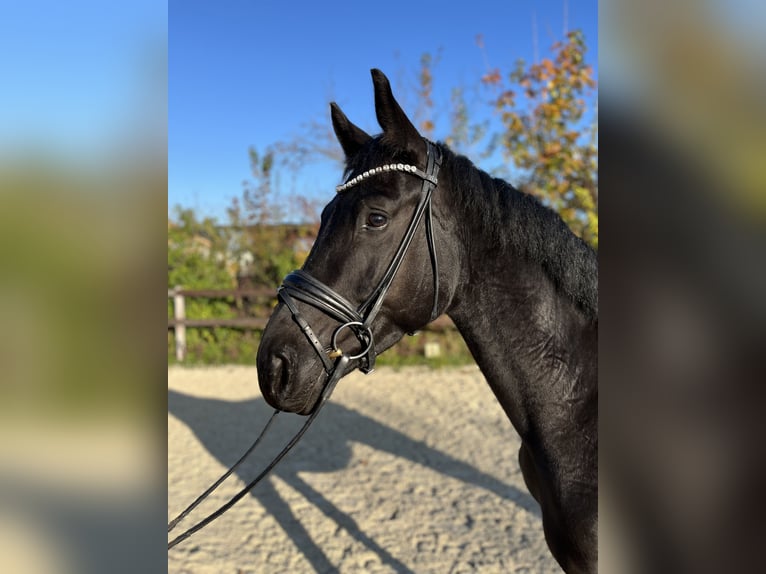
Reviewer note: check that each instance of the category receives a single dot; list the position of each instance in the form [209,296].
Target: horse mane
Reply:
[520,224]
[516,222]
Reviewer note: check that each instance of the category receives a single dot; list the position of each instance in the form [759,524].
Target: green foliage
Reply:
[254,247]
[410,351]
[198,253]
[217,346]
[198,258]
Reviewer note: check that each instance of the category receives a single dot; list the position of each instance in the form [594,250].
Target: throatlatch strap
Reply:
[433,167]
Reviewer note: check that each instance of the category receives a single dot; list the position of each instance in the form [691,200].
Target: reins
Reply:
[340,367]
[172,524]
[300,285]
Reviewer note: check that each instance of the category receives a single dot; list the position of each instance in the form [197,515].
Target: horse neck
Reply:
[527,334]
[525,338]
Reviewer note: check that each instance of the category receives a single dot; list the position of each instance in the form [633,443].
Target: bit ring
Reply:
[337,352]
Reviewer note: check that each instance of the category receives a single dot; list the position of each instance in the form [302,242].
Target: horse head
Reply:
[372,273]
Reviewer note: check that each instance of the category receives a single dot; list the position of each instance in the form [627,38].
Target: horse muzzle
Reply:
[286,384]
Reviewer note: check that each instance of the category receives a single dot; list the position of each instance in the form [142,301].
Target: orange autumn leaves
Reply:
[549,134]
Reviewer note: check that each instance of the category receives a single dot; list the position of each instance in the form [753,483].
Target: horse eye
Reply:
[377,220]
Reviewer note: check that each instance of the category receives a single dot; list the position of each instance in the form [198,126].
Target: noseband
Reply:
[301,286]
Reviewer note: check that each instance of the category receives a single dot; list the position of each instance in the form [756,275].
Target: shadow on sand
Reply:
[219,425]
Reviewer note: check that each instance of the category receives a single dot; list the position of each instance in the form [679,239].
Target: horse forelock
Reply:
[378,151]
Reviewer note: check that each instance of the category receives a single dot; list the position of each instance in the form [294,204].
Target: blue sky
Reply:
[252,73]
[240,73]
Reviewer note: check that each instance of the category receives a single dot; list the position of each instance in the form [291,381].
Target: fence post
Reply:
[179,314]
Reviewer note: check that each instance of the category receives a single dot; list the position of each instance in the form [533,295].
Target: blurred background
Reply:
[682,144]
[117,149]
[83,180]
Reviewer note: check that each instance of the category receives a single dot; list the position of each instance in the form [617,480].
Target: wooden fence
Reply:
[179,322]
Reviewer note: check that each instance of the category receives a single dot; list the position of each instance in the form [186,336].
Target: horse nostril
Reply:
[273,377]
[276,366]
[279,374]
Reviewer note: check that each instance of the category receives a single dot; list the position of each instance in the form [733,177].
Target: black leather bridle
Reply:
[300,286]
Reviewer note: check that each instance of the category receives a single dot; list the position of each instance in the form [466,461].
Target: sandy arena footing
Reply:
[409,470]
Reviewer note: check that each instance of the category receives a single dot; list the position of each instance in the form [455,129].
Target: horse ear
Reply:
[397,128]
[351,137]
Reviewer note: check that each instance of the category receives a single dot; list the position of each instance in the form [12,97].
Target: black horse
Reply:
[518,284]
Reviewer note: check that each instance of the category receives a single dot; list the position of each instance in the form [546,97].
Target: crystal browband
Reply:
[403,167]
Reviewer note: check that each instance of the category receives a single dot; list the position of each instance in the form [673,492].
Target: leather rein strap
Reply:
[340,368]
[301,286]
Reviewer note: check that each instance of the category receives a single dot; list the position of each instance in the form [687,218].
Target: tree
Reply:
[197,252]
[265,246]
[548,135]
